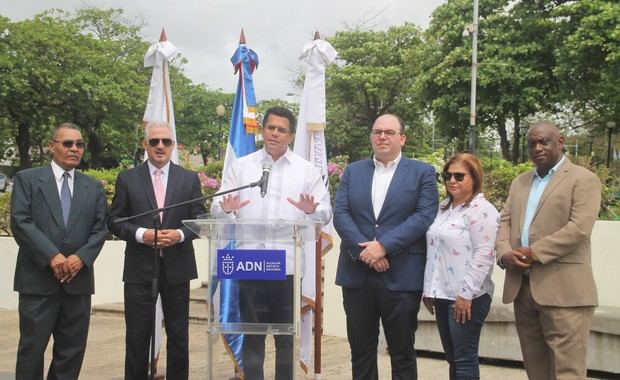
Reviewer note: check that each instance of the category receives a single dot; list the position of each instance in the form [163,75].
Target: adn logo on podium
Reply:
[251,264]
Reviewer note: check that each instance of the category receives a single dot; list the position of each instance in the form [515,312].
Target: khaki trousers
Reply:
[553,339]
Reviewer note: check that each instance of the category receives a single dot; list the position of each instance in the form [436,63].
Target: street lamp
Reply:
[610,128]
[473,29]
[590,142]
[220,110]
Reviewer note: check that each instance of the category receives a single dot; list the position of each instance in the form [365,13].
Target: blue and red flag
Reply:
[241,142]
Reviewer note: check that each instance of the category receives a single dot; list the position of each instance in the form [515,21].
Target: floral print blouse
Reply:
[461,251]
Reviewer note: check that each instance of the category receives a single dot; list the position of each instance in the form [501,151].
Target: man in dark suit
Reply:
[157,183]
[382,211]
[58,219]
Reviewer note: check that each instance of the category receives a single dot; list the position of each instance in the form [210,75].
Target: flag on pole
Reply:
[243,123]
[310,144]
[241,142]
[159,108]
[159,104]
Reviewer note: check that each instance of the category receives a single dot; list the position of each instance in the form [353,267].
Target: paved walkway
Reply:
[105,352]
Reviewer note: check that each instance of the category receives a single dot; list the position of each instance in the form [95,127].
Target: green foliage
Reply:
[199,128]
[5,213]
[107,177]
[88,68]
[589,57]
[498,176]
[374,77]
[610,192]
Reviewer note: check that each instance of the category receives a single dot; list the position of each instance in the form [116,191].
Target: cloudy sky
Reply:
[207,32]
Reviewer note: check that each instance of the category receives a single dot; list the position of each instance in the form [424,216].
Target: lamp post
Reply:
[473,29]
[220,110]
[610,128]
[590,142]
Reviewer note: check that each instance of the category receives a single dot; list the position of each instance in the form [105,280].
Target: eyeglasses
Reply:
[458,177]
[388,132]
[282,130]
[155,142]
[70,143]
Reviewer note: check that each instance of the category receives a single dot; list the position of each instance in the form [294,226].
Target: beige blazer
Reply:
[559,236]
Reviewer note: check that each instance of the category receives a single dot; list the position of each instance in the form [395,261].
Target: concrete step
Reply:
[197,307]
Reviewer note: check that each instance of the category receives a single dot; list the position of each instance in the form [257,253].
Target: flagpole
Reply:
[163,38]
[318,302]
[318,310]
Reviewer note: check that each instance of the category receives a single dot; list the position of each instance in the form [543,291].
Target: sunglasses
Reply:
[155,142]
[458,177]
[70,143]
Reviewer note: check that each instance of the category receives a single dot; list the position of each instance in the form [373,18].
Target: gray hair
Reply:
[155,123]
[64,126]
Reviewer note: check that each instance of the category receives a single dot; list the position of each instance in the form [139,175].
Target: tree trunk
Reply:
[95,147]
[503,137]
[516,138]
[23,145]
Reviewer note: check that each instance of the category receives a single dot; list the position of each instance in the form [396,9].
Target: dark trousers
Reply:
[460,341]
[397,311]
[267,302]
[138,324]
[64,316]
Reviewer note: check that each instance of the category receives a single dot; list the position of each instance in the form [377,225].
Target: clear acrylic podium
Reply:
[246,257]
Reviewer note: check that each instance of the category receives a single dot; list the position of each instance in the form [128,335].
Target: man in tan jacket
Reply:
[544,244]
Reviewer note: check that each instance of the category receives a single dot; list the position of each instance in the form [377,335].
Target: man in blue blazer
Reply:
[154,184]
[58,219]
[382,211]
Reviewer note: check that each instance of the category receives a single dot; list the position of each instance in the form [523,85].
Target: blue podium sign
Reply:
[251,264]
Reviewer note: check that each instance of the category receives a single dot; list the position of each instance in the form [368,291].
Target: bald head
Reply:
[546,144]
[387,138]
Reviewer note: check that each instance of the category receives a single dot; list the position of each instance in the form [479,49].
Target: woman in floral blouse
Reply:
[460,257]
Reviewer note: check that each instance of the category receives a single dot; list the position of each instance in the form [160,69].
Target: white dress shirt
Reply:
[381,182]
[461,251]
[165,170]
[58,175]
[290,176]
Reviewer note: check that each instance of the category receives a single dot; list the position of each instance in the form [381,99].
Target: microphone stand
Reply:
[157,226]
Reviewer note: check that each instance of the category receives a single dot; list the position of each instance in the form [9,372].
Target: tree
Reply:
[106,94]
[372,78]
[515,72]
[38,55]
[588,55]
[199,127]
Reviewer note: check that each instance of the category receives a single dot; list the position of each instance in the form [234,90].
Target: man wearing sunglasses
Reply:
[544,244]
[58,219]
[383,208]
[154,184]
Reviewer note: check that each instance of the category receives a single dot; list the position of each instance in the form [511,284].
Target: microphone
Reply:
[264,181]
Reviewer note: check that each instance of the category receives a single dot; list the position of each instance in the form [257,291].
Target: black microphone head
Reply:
[264,181]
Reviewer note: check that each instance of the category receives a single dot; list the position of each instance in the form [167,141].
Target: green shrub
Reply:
[107,177]
[5,213]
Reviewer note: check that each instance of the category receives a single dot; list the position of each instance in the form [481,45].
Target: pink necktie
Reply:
[160,192]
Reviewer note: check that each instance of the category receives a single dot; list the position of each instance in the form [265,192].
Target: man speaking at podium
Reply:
[294,191]
[154,184]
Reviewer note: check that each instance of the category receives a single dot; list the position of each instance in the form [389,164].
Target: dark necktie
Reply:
[65,197]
